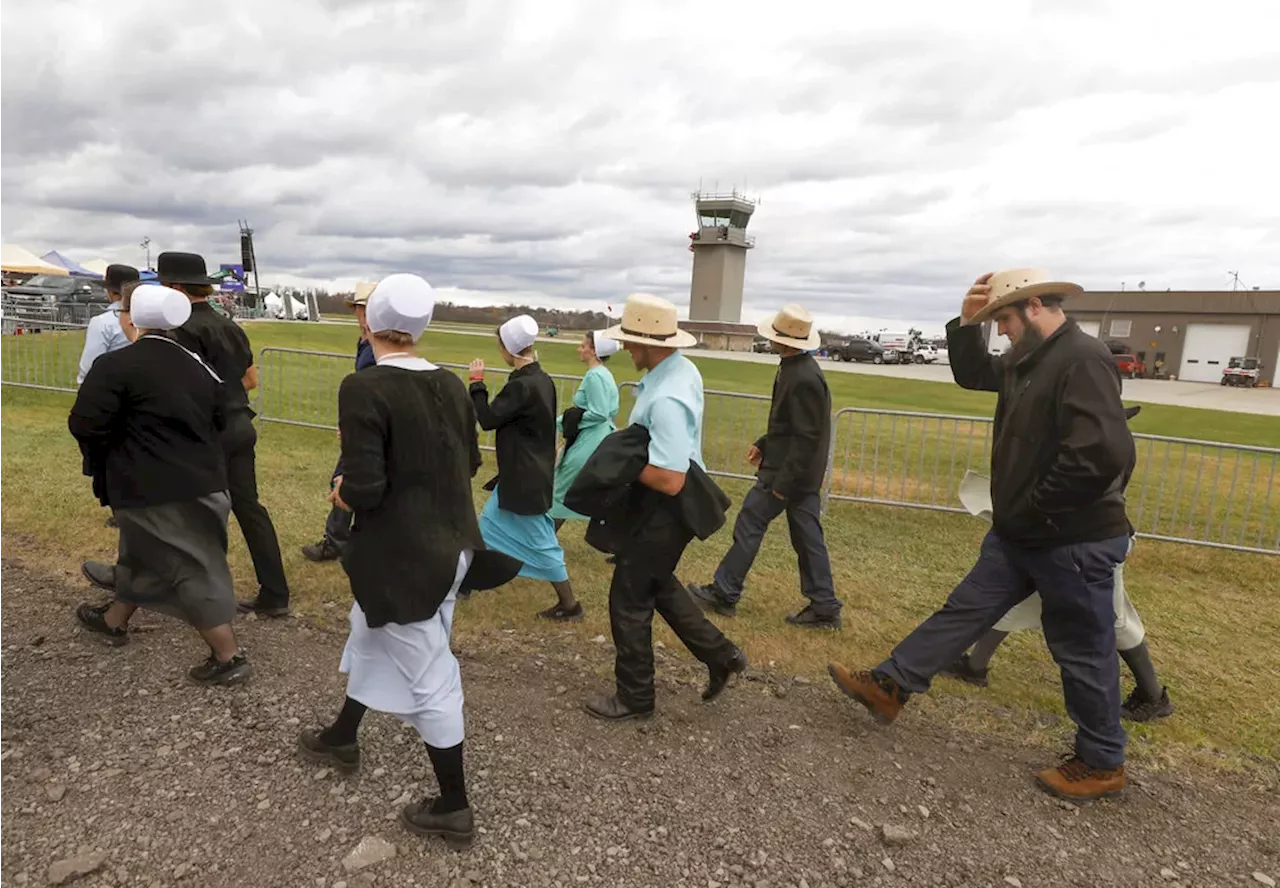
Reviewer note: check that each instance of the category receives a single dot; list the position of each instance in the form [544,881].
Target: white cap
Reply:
[603,344]
[518,333]
[402,303]
[153,307]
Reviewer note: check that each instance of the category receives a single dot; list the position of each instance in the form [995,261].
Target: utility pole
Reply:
[146,245]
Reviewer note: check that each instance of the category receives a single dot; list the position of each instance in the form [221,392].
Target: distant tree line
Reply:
[493,314]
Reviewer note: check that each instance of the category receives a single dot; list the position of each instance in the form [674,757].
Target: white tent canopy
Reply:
[97,266]
[22,261]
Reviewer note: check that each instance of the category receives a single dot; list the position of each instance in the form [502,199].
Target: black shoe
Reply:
[811,619]
[561,614]
[101,575]
[709,598]
[263,610]
[963,670]
[718,676]
[95,620]
[612,709]
[457,828]
[214,672]
[1140,708]
[325,550]
[312,744]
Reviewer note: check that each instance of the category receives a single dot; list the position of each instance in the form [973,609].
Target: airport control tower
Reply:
[719,256]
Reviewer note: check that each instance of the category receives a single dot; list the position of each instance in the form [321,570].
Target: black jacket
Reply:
[409,452]
[1062,450]
[524,415]
[625,513]
[795,447]
[224,346]
[148,419]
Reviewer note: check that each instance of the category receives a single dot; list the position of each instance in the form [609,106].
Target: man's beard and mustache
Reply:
[1027,343]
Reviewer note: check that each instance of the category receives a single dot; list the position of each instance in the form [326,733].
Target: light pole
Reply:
[146,245]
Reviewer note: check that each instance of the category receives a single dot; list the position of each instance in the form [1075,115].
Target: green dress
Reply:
[598,398]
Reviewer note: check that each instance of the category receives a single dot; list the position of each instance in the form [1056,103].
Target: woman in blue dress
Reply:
[588,422]
[515,520]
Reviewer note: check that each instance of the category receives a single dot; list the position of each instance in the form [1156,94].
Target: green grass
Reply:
[1210,614]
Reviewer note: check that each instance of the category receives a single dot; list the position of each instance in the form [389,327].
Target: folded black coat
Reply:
[624,512]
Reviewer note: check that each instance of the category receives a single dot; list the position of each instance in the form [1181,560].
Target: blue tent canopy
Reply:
[76,269]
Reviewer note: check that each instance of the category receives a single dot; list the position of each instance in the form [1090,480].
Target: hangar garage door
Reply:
[1090,327]
[1207,349]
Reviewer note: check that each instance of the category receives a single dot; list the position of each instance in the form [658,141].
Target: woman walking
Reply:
[409,451]
[148,419]
[523,414]
[588,422]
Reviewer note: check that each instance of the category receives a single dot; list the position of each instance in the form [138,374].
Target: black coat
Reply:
[148,419]
[524,416]
[224,346]
[795,446]
[409,452]
[625,513]
[1061,450]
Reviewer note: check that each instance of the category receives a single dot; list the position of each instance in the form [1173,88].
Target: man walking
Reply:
[1060,453]
[225,347]
[103,333]
[656,530]
[791,460]
[337,527]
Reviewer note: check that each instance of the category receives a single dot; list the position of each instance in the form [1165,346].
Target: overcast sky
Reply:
[546,151]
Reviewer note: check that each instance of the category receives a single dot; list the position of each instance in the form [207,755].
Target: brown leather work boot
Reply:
[882,696]
[1078,781]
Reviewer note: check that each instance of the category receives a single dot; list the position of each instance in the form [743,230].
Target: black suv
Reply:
[857,350]
[58,298]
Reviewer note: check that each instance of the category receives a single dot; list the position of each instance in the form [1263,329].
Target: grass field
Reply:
[1211,615]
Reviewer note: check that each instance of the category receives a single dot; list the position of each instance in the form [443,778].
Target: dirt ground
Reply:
[113,762]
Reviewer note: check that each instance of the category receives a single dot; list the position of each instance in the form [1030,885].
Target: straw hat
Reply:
[1016,284]
[650,320]
[792,326]
[364,289]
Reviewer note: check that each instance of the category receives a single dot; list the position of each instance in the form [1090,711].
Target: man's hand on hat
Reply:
[977,297]
[477,370]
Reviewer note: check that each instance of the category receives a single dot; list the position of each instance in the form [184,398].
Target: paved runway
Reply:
[1263,401]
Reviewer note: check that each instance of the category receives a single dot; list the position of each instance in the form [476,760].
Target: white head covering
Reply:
[604,345]
[518,333]
[153,307]
[402,303]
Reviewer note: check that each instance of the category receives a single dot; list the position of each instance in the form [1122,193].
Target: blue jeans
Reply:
[1076,585]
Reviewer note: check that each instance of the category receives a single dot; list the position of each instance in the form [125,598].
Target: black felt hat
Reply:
[117,276]
[182,268]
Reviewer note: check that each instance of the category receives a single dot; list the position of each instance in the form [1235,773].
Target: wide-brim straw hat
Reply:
[650,320]
[364,289]
[1017,284]
[791,326]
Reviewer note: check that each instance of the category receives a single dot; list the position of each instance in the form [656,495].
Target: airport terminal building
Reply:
[1187,334]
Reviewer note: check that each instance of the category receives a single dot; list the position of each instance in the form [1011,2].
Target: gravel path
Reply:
[112,763]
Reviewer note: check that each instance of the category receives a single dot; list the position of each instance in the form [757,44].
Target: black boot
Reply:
[612,709]
[457,828]
[95,620]
[101,575]
[718,676]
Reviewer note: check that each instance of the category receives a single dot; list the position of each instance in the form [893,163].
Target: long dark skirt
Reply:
[173,560]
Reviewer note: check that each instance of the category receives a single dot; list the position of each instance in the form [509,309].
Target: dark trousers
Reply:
[238,444]
[804,521]
[644,580]
[1076,584]
[337,527]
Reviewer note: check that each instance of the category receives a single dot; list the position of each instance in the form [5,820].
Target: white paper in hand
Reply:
[975,495]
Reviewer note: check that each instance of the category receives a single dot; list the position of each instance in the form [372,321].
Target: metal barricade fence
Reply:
[299,387]
[40,353]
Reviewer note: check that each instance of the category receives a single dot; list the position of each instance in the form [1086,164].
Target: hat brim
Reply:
[1061,288]
[190,281]
[681,339]
[765,329]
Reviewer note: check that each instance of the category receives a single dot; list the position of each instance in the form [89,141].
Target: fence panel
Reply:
[40,353]
[299,387]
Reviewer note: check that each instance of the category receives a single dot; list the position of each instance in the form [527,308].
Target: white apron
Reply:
[975,496]
[409,670]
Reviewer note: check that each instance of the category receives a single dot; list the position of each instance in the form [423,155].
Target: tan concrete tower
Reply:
[719,256]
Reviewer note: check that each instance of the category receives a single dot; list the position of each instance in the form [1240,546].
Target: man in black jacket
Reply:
[791,460]
[1060,454]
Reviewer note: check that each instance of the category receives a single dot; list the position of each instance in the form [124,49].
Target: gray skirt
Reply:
[173,560]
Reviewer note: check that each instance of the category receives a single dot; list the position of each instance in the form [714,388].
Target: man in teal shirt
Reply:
[669,406]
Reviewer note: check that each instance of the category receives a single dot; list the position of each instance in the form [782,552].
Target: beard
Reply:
[1028,342]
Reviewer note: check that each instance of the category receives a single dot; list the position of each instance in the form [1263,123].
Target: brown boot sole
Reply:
[1079,799]
[853,694]
[454,841]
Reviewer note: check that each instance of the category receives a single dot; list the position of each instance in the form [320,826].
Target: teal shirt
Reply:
[669,405]
[598,398]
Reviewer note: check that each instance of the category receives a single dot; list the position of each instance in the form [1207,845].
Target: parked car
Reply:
[82,303]
[46,290]
[858,350]
[925,354]
[1242,371]
[1130,366]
